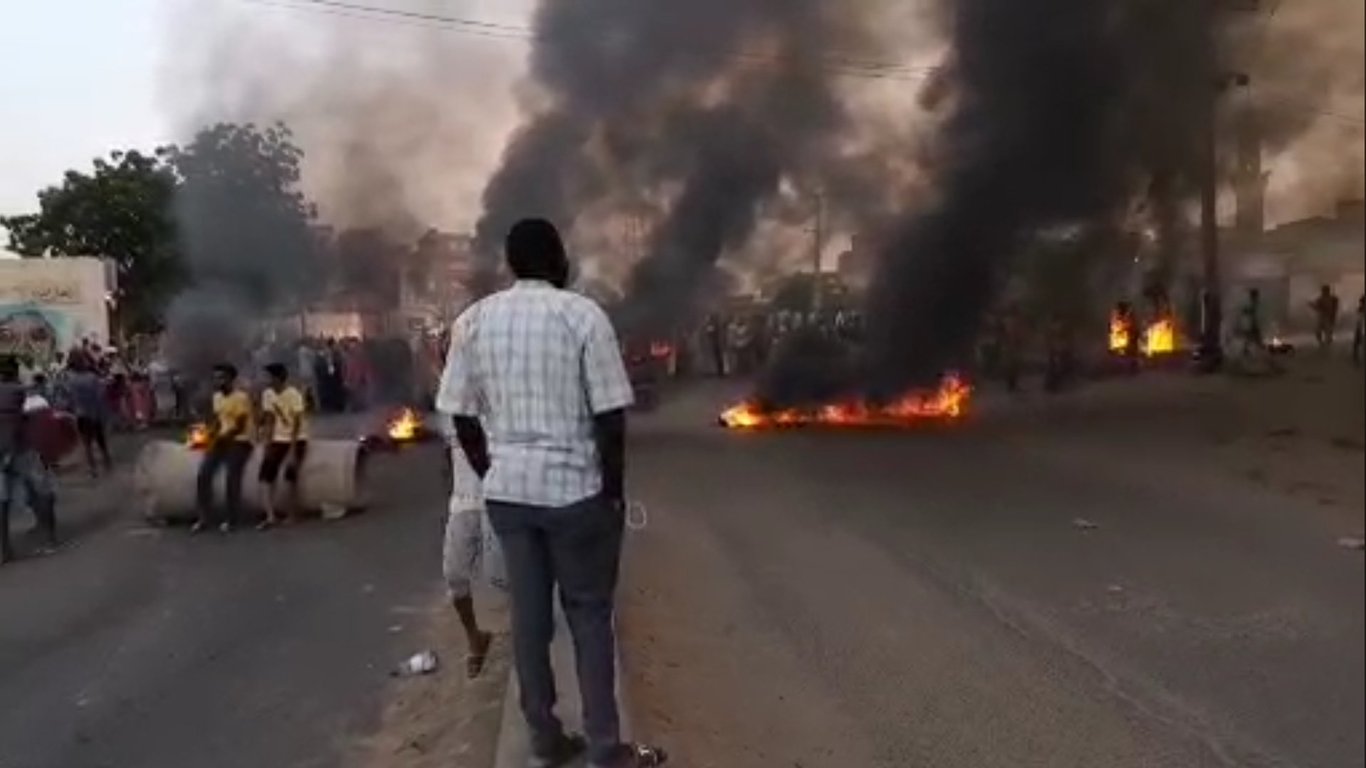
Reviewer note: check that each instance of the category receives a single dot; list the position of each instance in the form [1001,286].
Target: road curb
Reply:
[514,748]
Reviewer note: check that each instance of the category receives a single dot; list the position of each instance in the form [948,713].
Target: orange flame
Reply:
[404,426]
[948,402]
[1119,332]
[1159,338]
[197,437]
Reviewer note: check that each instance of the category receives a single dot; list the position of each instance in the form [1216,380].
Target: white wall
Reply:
[73,289]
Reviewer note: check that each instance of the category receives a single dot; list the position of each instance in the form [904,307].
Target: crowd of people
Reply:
[44,411]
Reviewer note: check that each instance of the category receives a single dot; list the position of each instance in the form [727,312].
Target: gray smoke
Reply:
[244,231]
[396,119]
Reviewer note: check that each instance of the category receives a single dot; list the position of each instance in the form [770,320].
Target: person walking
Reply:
[85,392]
[540,368]
[1326,307]
[230,446]
[24,473]
[466,551]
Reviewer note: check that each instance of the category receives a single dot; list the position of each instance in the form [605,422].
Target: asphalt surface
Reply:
[138,646]
[1025,590]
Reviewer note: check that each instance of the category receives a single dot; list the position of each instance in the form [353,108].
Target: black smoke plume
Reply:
[1064,112]
[695,117]
[1048,116]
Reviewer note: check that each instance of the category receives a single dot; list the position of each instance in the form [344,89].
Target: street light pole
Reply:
[819,234]
[1218,81]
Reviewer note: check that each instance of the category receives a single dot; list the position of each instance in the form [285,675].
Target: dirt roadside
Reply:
[442,720]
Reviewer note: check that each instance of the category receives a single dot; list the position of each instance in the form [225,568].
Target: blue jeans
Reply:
[24,477]
[578,548]
[231,456]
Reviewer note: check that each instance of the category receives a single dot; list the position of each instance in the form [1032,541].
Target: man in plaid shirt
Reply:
[537,391]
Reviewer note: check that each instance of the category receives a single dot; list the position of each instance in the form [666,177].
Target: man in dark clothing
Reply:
[537,392]
[1325,307]
[1253,343]
[86,394]
[716,343]
[23,473]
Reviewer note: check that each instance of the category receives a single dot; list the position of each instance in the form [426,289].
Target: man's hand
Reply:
[470,434]
[609,430]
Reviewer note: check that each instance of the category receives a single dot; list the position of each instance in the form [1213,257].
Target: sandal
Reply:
[478,655]
[568,749]
[638,756]
[641,756]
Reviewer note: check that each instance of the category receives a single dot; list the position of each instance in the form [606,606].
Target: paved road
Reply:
[141,647]
[931,599]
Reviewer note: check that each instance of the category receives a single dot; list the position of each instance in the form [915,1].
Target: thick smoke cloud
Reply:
[1062,114]
[705,130]
[1049,115]
[691,119]
[399,124]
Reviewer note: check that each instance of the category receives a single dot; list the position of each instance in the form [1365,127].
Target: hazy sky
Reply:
[81,77]
[77,78]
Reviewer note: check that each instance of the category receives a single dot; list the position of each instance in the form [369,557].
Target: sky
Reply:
[78,78]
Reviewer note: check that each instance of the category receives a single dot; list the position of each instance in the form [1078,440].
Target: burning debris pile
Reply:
[946,403]
[1157,339]
[405,426]
[400,427]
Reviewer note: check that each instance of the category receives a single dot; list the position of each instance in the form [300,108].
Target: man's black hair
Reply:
[277,371]
[227,369]
[535,251]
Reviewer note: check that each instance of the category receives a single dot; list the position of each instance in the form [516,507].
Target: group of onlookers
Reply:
[43,413]
[352,374]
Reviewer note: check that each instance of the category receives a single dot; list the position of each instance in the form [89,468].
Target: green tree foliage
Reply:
[222,214]
[120,211]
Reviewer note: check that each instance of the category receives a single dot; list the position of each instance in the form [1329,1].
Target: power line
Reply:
[844,66]
[833,63]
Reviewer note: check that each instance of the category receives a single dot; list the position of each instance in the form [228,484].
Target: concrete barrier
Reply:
[331,481]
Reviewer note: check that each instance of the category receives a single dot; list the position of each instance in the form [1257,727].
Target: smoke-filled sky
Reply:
[137,65]
[404,121]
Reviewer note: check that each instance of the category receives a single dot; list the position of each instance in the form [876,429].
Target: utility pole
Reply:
[1211,353]
[819,235]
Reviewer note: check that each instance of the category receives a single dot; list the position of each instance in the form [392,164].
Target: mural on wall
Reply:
[35,332]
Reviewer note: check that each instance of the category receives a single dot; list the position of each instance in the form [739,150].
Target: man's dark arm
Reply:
[609,430]
[470,434]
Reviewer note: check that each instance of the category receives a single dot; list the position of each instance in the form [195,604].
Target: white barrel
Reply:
[166,476]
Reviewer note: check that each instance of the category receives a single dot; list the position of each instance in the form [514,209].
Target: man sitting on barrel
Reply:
[230,446]
[286,434]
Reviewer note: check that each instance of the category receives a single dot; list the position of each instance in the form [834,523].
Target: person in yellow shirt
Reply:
[229,449]
[284,414]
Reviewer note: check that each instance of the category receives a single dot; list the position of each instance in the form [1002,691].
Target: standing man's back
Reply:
[537,391]
[548,362]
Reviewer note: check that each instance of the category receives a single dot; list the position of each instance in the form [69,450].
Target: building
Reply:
[47,306]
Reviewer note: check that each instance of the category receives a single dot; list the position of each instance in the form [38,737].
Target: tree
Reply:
[122,212]
[245,227]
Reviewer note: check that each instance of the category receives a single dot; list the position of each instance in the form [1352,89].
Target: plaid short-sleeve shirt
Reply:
[535,363]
